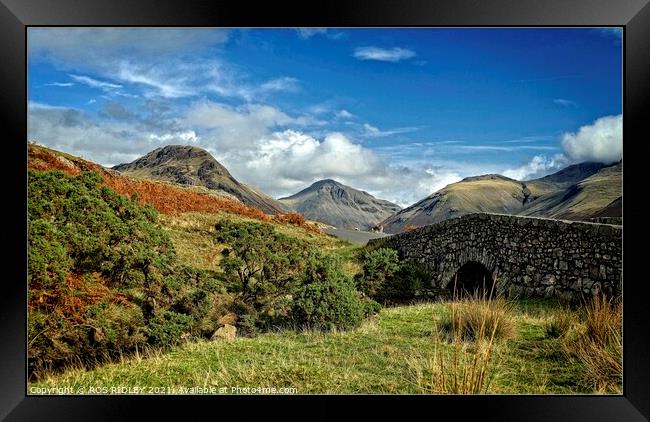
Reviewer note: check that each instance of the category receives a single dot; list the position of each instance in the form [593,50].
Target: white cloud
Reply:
[94,83]
[286,162]
[565,103]
[306,33]
[373,132]
[286,84]
[601,141]
[616,32]
[184,137]
[383,54]
[60,84]
[538,166]
[94,46]
[344,114]
[472,148]
[168,63]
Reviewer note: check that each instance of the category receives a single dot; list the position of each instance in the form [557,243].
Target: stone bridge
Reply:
[519,256]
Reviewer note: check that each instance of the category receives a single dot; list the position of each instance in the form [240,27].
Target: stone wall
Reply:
[527,256]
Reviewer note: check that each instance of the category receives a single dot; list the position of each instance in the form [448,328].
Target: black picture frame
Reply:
[17,15]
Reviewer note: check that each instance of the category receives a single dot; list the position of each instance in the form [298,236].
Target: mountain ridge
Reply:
[579,191]
[334,203]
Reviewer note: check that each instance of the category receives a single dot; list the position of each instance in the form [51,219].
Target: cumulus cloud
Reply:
[538,166]
[601,141]
[285,162]
[259,144]
[92,46]
[383,54]
[71,130]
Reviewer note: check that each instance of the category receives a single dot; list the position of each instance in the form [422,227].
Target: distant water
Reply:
[354,236]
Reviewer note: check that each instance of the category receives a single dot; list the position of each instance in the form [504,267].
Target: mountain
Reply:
[194,166]
[577,192]
[331,202]
[572,174]
[585,199]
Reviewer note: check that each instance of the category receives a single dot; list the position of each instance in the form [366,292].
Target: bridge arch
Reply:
[471,278]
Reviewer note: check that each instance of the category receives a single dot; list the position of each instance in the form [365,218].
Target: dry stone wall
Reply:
[527,256]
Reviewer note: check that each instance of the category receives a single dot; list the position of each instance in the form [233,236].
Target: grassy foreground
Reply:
[392,353]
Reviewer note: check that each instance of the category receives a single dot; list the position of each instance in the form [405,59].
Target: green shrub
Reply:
[410,282]
[102,276]
[264,267]
[168,327]
[378,266]
[328,298]
[387,279]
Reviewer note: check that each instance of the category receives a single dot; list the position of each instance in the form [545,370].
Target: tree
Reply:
[266,265]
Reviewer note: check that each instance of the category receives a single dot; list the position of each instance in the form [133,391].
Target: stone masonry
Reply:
[527,256]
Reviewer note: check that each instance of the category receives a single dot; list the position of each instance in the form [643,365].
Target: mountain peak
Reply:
[491,176]
[190,165]
[332,202]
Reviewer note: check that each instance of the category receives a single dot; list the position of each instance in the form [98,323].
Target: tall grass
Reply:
[473,326]
[600,348]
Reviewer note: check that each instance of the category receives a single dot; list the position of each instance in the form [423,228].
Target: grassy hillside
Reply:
[577,192]
[393,353]
[193,237]
[118,264]
[492,193]
[584,199]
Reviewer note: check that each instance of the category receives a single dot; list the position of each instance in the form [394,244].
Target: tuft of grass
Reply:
[600,348]
[561,323]
[466,368]
[474,318]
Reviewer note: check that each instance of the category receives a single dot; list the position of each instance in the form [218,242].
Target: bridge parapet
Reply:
[527,256]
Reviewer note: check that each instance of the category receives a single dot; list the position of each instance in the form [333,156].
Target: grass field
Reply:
[393,353]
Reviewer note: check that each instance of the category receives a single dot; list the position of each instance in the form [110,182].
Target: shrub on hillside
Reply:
[327,298]
[378,265]
[264,267]
[102,275]
[410,282]
[387,279]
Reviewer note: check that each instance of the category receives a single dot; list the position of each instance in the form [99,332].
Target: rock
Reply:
[227,332]
[549,280]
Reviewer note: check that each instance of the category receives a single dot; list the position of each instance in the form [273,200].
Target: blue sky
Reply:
[397,112]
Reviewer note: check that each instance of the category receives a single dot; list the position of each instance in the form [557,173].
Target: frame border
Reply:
[17,15]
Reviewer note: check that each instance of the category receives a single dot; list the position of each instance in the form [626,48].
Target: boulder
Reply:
[227,332]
